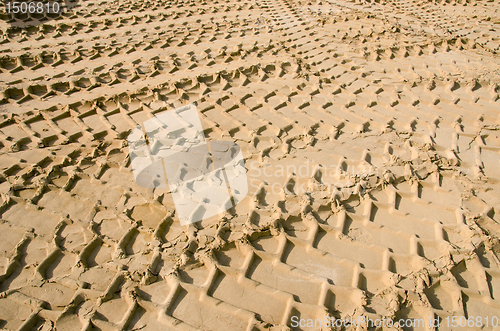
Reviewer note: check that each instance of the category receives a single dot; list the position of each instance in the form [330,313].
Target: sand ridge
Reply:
[378,122]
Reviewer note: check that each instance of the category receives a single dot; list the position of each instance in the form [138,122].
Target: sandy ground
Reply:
[371,135]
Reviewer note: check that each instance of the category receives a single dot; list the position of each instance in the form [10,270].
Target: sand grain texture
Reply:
[391,107]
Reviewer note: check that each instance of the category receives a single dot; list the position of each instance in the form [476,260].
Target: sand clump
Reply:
[371,136]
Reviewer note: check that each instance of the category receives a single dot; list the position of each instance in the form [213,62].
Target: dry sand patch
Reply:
[370,131]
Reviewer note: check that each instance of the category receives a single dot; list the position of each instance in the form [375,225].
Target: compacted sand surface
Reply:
[371,137]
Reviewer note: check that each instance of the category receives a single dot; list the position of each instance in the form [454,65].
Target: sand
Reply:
[371,136]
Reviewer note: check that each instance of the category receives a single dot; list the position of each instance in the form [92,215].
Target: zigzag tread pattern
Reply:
[371,136]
